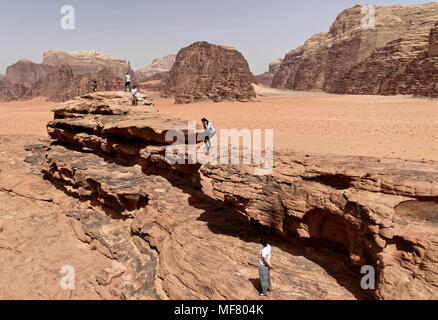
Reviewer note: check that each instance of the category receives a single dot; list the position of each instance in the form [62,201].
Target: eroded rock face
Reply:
[61,84]
[157,66]
[26,72]
[433,41]
[350,59]
[204,71]
[110,156]
[384,213]
[82,62]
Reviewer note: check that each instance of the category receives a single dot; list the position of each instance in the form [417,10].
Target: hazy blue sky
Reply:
[141,30]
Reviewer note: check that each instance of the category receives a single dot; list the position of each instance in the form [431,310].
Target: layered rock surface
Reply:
[382,212]
[204,71]
[352,59]
[155,218]
[339,212]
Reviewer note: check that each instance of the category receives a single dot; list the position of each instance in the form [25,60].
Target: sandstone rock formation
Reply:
[382,212]
[350,59]
[26,72]
[83,62]
[204,71]
[155,221]
[174,224]
[267,77]
[157,66]
[61,84]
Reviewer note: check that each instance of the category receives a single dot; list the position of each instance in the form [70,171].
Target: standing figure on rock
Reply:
[210,131]
[265,267]
[128,82]
[134,96]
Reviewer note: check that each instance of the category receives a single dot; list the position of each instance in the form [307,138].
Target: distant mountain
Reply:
[157,66]
[397,56]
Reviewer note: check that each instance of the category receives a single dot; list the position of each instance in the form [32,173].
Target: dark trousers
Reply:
[128,85]
[265,278]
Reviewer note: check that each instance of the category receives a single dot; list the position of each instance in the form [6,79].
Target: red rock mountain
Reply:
[350,59]
[204,71]
[86,62]
[26,72]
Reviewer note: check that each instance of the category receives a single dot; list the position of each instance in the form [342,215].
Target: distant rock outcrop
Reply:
[350,59]
[158,66]
[26,72]
[204,71]
[61,84]
[86,62]
[267,77]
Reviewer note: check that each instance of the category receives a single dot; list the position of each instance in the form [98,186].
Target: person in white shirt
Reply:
[134,96]
[210,131]
[265,267]
[128,82]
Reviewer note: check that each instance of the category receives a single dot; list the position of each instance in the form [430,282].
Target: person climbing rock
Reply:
[210,131]
[265,267]
[94,86]
[128,82]
[134,96]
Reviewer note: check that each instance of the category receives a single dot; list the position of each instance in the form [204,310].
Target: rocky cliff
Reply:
[86,62]
[169,224]
[26,72]
[351,59]
[267,77]
[157,66]
[61,84]
[204,71]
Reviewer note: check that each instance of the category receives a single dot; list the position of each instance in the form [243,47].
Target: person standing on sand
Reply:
[210,131]
[128,82]
[265,267]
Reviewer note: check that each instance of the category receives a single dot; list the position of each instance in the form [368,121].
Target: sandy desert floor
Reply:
[394,127]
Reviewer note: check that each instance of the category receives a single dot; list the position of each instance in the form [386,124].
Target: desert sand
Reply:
[312,122]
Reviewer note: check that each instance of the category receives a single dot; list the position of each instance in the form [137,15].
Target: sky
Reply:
[142,30]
